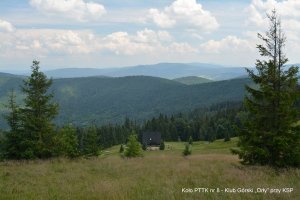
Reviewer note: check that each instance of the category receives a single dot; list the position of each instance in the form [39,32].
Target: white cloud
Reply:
[161,19]
[183,48]
[6,26]
[187,13]
[151,36]
[144,42]
[55,42]
[121,43]
[230,50]
[72,9]
[287,9]
[229,44]
[43,42]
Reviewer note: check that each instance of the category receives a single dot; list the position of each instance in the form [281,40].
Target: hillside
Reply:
[157,175]
[163,70]
[192,80]
[8,75]
[109,100]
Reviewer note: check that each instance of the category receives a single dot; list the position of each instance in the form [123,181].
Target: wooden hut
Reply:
[151,138]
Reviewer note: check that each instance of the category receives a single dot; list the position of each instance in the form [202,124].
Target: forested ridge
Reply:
[104,100]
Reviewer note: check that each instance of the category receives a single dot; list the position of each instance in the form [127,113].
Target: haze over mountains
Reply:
[162,70]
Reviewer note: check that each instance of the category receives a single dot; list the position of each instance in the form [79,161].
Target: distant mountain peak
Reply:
[163,70]
[192,80]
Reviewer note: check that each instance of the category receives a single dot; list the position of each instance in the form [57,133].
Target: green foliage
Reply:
[37,115]
[133,147]
[90,142]
[31,132]
[162,145]
[13,148]
[155,177]
[207,124]
[13,118]
[2,146]
[227,137]
[187,149]
[268,136]
[190,140]
[68,142]
[139,97]
[201,124]
[144,147]
[121,149]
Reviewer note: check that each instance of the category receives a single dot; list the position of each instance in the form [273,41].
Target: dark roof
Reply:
[151,138]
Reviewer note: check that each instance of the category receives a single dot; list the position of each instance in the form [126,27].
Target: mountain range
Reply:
[105,100]
[162,70]
[192,80]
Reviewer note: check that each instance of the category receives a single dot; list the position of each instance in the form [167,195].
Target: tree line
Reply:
[33,135]
[267,123]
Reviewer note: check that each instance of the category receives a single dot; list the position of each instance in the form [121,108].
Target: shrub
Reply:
[227,137]
[190,140]
[144,147]
[162,145]
[187,150]
[121,149]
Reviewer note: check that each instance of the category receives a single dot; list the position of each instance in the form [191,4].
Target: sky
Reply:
[116,33]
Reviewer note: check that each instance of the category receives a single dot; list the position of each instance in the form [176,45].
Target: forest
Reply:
[267,122]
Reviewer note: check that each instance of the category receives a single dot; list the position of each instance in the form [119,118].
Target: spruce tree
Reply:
[190,140]
[37,115]
[13,140]
[68,142]
[90,142]
[121,150]
[162,145]
[187,149]
[269,136]
[133,147]
[227,137]
[2,146]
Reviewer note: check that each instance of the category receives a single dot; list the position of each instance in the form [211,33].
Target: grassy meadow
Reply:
[157,175]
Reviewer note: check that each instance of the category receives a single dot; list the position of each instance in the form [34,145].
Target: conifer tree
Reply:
[121,150]
[68,142]
[90,142]
[187,150]
[133,147]
[162,145]
[13,140]
[269,136]
[227,137]
[37,115]
[2,146]
[190,140]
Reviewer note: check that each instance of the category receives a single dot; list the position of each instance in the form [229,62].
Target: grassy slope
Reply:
[158,175]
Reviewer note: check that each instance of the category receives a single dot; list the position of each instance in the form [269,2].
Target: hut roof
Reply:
[151,138]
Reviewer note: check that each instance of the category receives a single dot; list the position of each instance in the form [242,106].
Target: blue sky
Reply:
[114,33]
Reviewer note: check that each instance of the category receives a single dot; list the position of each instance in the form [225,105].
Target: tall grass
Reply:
[158,175]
